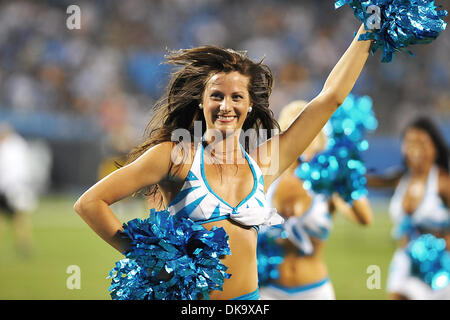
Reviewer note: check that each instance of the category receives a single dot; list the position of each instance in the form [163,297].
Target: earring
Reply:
[200,106]
[250,109]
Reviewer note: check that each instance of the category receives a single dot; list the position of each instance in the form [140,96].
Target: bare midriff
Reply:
[241,263]
[296,270]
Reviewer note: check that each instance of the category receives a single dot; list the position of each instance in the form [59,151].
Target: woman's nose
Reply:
[225,105]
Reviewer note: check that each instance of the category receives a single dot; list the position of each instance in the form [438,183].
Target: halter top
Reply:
[316,222]
[200,203]
[430,215]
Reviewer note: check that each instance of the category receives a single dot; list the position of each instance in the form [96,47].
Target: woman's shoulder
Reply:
[444,185]
[167,155]
[290,187]
[177,151]
[443,174]
[443,177]
[181,157]
[182,152]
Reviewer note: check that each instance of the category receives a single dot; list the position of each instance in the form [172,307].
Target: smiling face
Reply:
[418,149]
[226,101]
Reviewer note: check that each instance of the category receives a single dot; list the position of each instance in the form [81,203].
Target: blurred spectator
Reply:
[17,197]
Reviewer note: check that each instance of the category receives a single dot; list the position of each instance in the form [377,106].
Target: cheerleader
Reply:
[18,199]
[227,93]
[420,205]
[303,274]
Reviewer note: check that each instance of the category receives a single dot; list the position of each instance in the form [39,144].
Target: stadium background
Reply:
[84,96]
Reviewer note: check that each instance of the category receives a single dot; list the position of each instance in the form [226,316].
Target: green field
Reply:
[62,239]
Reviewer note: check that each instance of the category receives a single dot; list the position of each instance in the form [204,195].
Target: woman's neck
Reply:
[422,172]
[226,150]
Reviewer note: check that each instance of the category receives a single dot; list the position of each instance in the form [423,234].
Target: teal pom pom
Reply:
[340,167]
[401,23]
[269,254]
[129,281]
[172,247]
[354,119]
[430,261]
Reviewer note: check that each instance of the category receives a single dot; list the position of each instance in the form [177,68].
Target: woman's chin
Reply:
[418,165]
[226,128]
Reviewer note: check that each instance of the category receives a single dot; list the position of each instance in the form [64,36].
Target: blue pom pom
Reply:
[129,281]
[174,247]
[269,254]
[354,120]
[340,167]
[430,261]
[402,23]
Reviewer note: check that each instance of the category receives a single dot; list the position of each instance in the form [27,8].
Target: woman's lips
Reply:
[225,119]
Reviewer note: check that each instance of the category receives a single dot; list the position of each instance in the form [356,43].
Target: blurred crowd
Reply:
[110,69]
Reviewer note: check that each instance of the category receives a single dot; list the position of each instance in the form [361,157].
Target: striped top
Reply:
[199,202]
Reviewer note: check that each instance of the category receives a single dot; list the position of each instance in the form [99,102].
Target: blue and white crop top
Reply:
[430,215]
[200,203]
[316,222]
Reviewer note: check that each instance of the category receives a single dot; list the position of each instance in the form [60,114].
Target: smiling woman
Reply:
[226,101]
[212,85]
[228,93]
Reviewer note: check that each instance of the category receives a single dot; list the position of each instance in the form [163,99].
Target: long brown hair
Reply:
[178,108]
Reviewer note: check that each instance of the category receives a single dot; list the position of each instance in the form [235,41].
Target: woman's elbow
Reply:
[81,204]
[363,211]
[365,216]
[332,98]
[366,220]
[78,206]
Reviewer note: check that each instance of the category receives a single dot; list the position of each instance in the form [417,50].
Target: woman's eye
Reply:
[237,97]
[216,96]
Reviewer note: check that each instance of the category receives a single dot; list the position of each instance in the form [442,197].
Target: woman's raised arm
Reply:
[380,181]
[93,205]
[307,125]
[359,212]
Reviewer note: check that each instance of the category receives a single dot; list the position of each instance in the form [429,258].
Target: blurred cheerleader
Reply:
[18,198]
[226,92]
[419,206]
[302,273]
